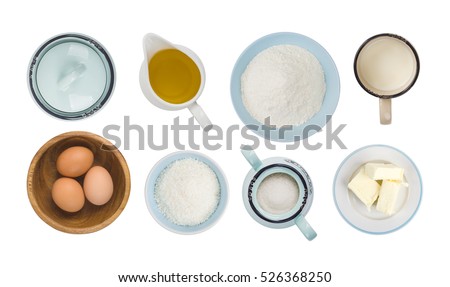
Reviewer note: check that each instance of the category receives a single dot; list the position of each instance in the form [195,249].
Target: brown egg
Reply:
[74,161]
[68,194]
[98,185]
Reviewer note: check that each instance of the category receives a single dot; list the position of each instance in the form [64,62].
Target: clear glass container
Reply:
[71,76]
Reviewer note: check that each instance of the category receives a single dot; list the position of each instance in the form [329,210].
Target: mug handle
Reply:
[385,111]
[251,157]
[200,116]
[305,228]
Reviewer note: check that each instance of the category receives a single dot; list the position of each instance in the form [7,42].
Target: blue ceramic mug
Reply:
[279,209]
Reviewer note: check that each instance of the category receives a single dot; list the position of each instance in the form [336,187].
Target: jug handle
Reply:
[251,157]
[200,116]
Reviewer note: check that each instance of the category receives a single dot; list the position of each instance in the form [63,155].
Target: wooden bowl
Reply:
[42,174]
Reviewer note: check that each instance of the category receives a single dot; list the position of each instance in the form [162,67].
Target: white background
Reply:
[33,253]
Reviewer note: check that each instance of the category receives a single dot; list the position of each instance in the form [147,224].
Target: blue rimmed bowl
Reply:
[153,206]
[331,97]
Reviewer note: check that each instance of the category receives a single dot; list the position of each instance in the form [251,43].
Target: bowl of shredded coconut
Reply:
[286,85]
[186,192]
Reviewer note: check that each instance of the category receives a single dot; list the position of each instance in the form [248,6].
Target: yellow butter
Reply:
[387,199]
[383,171]
[365,188]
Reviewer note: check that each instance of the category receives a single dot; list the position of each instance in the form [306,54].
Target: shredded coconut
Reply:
[285,83]
[187,192]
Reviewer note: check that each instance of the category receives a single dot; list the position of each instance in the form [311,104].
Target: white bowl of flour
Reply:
[288,81]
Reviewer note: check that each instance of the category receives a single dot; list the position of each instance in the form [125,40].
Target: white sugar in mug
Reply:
[280,210]
[153,44]
[386,66]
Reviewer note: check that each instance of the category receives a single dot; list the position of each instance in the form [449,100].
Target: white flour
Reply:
[187,192]
[285,83]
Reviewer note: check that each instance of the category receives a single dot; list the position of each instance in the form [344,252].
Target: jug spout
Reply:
[154,43]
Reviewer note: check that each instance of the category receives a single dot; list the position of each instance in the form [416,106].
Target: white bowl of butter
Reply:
[377,189]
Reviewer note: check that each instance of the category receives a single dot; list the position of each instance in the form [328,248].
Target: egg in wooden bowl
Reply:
[107,191]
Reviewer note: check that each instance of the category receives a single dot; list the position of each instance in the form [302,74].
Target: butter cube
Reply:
[365,188]
[382,171]
[388,196]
